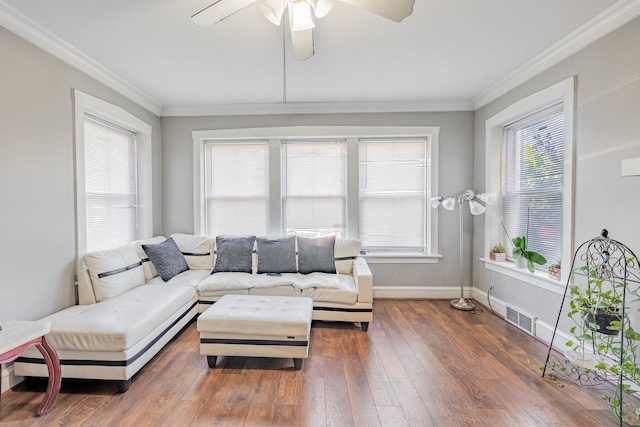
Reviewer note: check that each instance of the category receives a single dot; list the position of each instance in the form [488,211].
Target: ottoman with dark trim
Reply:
[256,326]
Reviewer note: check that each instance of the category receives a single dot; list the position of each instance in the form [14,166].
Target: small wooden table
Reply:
[18,336]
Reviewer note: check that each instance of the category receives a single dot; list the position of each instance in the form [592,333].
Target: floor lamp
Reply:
[476,208]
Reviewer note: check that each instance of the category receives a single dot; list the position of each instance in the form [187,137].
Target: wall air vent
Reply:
[522,320]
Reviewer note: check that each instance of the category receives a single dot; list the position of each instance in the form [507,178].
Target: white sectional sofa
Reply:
[127,312]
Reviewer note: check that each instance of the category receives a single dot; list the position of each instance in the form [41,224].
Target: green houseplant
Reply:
[555,271]
[498,253]
[520,251]
[603,329]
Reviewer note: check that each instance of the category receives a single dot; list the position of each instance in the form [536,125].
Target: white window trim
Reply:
[82,104]
[351,134]
[561,92]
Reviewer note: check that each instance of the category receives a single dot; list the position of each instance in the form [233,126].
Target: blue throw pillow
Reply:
[316,255]
[167,259]
[234,254]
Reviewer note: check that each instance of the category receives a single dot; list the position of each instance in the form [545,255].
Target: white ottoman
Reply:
[256,326]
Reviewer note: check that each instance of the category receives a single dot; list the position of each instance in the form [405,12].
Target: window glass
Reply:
[111,193]
[236,187]
[532,167]
[393,195]
[313,187]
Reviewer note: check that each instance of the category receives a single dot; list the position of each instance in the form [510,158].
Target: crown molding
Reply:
[316,108]
[614,17]
[16,22]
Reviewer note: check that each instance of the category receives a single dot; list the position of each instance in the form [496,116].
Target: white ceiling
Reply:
[448,51]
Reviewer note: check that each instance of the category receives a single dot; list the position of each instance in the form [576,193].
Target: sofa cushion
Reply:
[186,278]
[198,251]
[346,293]
[277,255]
[114,271]
[316,255]
[346,251]
[149,269]
[167,258]
[234,254]
[118,323]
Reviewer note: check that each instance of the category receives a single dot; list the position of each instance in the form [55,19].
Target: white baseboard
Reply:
[427,292]
[8,379]
[544,331]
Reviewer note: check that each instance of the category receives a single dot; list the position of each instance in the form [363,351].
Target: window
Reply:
[531,167]
[237,187]
[113,175]
[529,162]
[393,195]
[313,187]
[367,183]
[111,190]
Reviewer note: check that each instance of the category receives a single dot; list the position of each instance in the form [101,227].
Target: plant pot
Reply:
[555,273]
[498,256]
[599,322]
[521,262]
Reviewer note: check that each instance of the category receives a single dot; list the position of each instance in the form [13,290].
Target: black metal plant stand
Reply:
[603,272]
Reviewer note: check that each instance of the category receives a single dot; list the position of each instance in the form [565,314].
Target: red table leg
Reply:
[55,376]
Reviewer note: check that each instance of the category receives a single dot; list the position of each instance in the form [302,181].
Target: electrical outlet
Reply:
[490,290]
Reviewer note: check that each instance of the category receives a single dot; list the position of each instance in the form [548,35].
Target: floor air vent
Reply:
[522,320]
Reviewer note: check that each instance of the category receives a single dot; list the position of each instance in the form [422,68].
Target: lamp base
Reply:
[462,304]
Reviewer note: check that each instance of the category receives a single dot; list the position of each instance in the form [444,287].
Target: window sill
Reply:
[400,258]
[539,279]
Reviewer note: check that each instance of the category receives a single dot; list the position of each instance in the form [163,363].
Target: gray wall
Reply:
[456,174]
[607,130]
[37,184]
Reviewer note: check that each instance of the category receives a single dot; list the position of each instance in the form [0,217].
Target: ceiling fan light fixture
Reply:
[273,10]
[321,7]
[300,15]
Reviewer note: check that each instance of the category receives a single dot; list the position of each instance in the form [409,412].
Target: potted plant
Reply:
[498,253]
[555,270]
[531,257]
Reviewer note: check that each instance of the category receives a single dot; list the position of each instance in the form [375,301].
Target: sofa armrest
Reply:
[85,288]
[363,279]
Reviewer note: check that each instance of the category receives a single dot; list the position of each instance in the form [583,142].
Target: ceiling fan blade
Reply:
[396,10]
[218,11]
[302,42]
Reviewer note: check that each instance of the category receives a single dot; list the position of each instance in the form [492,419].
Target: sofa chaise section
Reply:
[114,338]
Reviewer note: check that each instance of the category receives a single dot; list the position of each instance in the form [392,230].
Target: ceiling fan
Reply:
[300,19]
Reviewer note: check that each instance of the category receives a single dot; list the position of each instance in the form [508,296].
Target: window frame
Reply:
[564,93]
[352,134]
[86,104]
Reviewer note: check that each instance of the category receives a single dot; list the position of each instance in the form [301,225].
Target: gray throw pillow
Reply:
[277,255]
[316,255]
[234,254]
[167,259]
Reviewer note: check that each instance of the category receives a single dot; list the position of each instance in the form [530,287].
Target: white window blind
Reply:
[236,187]
[110,184]
[393,195]
[313,190]
[532,163]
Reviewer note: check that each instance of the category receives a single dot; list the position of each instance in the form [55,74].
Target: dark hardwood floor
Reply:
[422,363]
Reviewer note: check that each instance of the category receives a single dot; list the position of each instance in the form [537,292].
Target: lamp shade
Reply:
[449,203]
[476,208]
[300,15]
[435,201]
[273,10]
[488,198]
[321,7]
